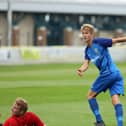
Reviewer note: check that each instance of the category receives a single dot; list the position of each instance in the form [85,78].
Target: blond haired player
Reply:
[109,77]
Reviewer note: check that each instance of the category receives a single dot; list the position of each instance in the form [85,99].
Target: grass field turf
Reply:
[55,93]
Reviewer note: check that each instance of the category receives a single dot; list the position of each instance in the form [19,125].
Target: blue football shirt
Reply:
[99,54]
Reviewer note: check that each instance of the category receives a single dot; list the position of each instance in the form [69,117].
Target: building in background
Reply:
[57,22]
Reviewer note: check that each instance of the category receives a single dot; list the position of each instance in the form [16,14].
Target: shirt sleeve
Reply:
[106,42]
[37,120]
[10,122]
[85,54]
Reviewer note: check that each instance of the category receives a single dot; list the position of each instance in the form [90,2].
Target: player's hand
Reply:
[80,72]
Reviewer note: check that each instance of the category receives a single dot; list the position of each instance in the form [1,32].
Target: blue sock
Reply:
[119,114]
[95,109]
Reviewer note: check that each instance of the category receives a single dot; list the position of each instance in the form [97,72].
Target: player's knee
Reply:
[115,99]
[90,96]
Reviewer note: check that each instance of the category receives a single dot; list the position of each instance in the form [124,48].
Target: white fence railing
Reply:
[52,54]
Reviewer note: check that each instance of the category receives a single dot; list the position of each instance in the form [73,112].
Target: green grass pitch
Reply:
[55,93]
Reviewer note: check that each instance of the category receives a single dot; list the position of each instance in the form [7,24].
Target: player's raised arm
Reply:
[118,40]
[83,67]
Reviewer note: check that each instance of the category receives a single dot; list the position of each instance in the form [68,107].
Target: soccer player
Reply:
[109,77]
[20,116]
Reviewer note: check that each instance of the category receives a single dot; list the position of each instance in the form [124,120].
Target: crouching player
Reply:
[20,116]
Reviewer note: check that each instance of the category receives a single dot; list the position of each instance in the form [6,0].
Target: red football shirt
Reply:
[29,119]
